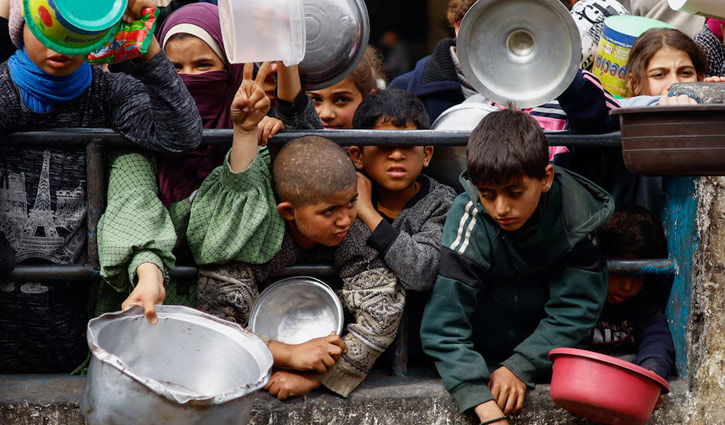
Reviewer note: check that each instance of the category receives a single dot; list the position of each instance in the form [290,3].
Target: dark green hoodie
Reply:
[507,298]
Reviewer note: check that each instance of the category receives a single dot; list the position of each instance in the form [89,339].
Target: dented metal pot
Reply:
[190,368]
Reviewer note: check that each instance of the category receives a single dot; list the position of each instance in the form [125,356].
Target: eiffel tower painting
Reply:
[40,237]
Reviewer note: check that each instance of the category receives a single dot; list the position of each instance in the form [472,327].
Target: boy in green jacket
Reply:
[521,270]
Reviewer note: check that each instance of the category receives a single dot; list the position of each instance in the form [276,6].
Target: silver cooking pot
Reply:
[188,369]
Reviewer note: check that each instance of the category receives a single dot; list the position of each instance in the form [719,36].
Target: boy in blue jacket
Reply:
[521,268]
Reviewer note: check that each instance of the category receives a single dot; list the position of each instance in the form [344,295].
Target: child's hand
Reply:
[715,79]
[508,390]
[250,104]
[285,384]
[677,100]
[135,8]
[317,354]
[488,411]
[148,292]
[269,127]
[366,212]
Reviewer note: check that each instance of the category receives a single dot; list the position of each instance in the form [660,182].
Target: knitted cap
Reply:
[16,22]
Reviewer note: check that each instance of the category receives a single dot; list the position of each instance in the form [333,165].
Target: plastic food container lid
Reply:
[96,15]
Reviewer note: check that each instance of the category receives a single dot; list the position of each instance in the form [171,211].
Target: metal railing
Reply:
[97,141]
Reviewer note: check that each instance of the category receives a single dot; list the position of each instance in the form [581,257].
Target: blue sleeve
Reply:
[656,351]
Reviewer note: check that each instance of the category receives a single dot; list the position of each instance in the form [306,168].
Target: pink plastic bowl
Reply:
[602,388]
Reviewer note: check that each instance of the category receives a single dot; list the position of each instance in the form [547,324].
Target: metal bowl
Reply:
[297,309]
[519,52]
[188,369]
[337,35]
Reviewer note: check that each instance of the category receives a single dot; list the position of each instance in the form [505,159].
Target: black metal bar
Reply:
[660,267]
[53,272]
[78,137]
[86,272]
[95,193]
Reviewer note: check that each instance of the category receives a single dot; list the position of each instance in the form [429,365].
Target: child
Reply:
[316,189]
[148,198]
[521,268]
[403,209]
[332,107]
[46,220]
[659,58]
[633,319]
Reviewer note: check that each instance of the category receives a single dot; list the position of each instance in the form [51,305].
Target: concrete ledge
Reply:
[417,399]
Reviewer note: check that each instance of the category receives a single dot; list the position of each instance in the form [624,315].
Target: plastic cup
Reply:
[711,8]
[263,30]
[73,27]
[618,37]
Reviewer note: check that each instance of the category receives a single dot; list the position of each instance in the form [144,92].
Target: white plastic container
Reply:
[263,30]
[711,8]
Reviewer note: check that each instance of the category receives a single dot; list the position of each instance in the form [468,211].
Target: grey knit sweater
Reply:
[410,244]
[370,293]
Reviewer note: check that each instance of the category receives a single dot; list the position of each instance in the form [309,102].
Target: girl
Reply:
[660,58]
[334,106]
[139,229]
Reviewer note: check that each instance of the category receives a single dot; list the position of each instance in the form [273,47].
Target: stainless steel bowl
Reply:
[337,35]
[297,309]
[519,52]
[188,369]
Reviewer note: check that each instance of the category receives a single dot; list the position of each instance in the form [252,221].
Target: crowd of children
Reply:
[510,268]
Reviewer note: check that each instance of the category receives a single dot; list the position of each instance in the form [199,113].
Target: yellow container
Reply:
[618,37]
[73,27]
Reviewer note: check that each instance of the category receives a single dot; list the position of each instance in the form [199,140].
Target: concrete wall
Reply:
[707,313]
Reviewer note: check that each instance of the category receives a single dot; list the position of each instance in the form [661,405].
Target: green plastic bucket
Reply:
[74,27]
[618,37]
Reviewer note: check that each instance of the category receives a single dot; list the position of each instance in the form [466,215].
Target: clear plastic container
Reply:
[263,30]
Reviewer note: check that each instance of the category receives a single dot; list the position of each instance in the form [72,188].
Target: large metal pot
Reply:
[188,369]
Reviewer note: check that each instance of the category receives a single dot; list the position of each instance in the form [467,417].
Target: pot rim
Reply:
[192,316]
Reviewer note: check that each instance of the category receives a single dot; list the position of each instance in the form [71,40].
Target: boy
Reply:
[403,209]
[235,215]
[521,268]
[632,320]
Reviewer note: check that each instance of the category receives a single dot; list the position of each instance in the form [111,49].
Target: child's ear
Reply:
[356,154]
[427,155]
[548,179]
[286,210]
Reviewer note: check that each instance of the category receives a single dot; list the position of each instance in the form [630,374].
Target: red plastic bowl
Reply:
[602,388]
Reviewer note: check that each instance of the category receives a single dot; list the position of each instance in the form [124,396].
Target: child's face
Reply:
[50,62]
[191,55]
[667,66]
[393,168]
[325,222]
[336,105]
[623,287]
[512,205]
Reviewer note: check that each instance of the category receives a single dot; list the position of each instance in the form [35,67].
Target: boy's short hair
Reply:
[633,231]
[505,146]
[311,169]
[395,105]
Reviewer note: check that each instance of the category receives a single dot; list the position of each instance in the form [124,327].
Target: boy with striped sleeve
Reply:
[521,270]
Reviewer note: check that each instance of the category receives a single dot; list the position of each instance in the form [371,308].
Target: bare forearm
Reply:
[244,149]
[288,82]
